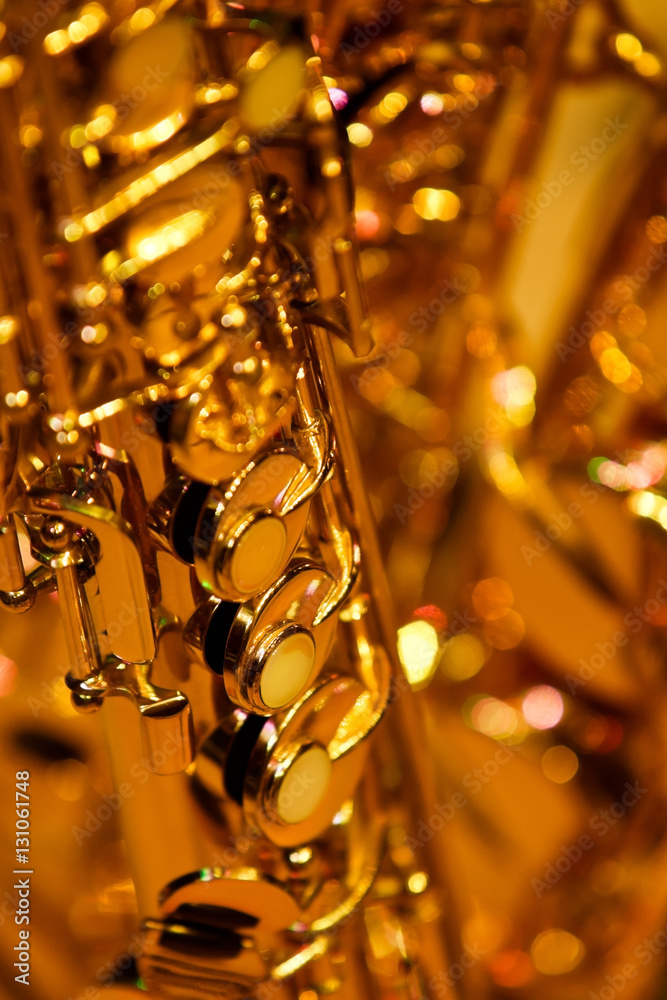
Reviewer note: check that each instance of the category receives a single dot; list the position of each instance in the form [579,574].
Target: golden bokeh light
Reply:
[615,366]
[556,952]
[506,631]
[417,882]
[560,764]
[433,203]
[11,70]
[542,707]
[492,597]
[494,718]
[628,46]
[389,107]
[359,134]
[506,474]
[647,64]
[463,656]
[418,651]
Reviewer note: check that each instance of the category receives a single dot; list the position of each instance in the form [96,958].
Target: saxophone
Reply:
[200,433]
[179,272]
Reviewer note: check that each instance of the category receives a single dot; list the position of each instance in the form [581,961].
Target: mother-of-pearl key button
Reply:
[258,555]
[287,669]
[304,785]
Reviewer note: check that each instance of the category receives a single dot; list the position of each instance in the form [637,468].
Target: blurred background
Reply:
[511,189]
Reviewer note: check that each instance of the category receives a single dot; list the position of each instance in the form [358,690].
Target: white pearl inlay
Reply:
[258,555]
[287,669]
[305,785]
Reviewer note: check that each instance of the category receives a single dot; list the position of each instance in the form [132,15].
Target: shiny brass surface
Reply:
[188,476]
[334,486]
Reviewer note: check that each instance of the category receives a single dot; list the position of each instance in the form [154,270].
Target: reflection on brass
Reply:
[334,490]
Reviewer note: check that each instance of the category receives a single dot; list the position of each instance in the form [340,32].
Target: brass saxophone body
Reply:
[180,469]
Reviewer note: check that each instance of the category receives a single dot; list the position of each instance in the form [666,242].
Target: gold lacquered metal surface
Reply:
[201,424]
[184,479]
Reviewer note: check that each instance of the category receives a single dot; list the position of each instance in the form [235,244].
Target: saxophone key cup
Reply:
[268,650]
[157,247]
[300,783]
[291,775]
[253,553]
[272,88]
[163,57]
[301,770]
[246,535]
[285,663]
